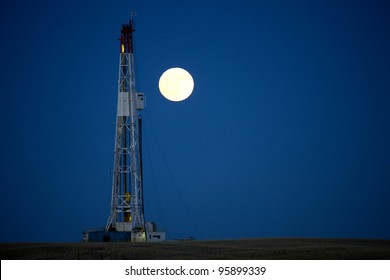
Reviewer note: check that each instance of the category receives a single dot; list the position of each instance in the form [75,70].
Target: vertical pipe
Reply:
[140,160]
[124,165]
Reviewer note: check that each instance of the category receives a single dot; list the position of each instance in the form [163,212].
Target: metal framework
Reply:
[127,213]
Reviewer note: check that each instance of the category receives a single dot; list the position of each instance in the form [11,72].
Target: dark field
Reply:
[266,249]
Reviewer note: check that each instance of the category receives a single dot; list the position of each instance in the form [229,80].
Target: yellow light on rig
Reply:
[123,48]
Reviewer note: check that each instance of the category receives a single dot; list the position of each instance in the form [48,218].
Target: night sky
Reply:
[286,134]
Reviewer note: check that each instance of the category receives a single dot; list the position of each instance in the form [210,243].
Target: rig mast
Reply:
[126,222]
[127,211]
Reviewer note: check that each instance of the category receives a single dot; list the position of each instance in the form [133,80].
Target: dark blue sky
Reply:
[286,134]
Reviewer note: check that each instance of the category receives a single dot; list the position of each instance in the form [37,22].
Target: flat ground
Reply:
[266,249]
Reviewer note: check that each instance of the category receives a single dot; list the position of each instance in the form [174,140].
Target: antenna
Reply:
[132,15]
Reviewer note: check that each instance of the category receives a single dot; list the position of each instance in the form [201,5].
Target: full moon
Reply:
[176,84]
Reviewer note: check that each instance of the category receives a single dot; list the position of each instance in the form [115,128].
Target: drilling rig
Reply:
[126,220]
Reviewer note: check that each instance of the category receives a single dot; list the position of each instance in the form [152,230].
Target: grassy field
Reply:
[266,249]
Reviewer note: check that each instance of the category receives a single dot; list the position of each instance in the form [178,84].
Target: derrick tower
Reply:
[127,210]
[126,222]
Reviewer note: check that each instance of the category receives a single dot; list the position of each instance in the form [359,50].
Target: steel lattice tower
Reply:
[127,213]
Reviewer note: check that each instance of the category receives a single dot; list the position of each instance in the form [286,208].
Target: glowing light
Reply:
[176,84]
